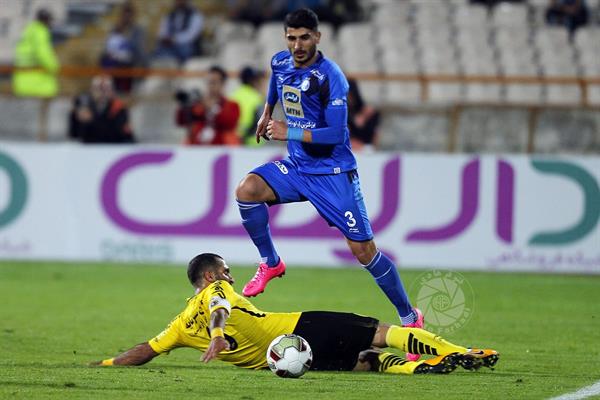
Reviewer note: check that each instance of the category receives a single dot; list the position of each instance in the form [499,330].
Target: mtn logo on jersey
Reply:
[292,105]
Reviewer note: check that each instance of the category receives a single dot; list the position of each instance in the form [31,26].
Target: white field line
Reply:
[582,393]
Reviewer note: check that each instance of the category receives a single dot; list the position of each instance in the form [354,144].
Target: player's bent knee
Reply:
[253,188]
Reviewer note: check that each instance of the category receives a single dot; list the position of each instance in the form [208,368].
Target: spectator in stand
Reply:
[250,98]
[493,3]
[210,119]
[124,47]
[255,11]
[100,117]
[340,12]
[570,13]
[363,120]
[180,30]
[34,50]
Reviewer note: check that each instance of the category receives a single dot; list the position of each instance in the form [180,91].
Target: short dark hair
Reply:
[200,263]
[302,18]
[219,70]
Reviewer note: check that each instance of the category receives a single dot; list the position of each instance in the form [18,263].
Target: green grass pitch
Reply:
[57,317]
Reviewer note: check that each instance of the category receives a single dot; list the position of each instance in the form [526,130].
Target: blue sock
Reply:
[255,218]
[386,275]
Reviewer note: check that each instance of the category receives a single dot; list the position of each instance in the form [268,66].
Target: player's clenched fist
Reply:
[277,130]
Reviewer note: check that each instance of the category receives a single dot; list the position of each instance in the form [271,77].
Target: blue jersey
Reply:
[308,95]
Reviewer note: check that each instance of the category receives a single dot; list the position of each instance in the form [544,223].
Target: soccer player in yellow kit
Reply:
[226,326]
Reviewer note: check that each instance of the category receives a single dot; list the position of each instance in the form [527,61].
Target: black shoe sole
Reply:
[473,363]
[447,365]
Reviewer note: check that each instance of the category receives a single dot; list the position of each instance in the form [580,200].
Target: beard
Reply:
[305,55]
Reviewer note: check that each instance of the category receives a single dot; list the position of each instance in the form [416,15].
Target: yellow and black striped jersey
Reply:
[248,329]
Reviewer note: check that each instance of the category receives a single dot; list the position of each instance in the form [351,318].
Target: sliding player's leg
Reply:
[390,363]
[420,341]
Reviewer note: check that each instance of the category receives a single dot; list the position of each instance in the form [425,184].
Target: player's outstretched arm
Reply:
[138,355]
[218,343]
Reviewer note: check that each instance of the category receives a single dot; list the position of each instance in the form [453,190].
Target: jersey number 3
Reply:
[351,221]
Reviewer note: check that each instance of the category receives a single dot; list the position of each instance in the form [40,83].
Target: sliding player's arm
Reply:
[221,293]
[138,355]
[217,341]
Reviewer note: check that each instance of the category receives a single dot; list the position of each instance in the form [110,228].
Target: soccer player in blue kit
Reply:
[320,168]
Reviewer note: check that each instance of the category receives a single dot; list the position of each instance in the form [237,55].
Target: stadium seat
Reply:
[478,61]
[492,130]
[155,85]
[524,93]
[396,61]
[510,15]
[387,37]
[443,93]
[355,36]
[593,95]
[518,61]
[471,15]
[199,63]
[587,39]
[226,31]
[58,118]
[239,53]
[483,92]
[560,131]
[392,13]
[563,94]
[439,60]
[20,118]
[558,65]
[402,93]
[413,131]
[590,65]
[372,92]
[270,31]
[153,121]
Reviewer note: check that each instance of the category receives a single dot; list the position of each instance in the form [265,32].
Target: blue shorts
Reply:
[337,198]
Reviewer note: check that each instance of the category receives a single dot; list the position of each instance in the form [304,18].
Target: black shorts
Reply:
[336,338]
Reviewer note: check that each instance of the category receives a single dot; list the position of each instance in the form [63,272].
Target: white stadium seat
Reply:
[510,15]
[154,122]
[563,94]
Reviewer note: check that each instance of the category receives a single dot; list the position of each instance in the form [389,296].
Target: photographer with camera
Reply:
[210,119]
[100,117]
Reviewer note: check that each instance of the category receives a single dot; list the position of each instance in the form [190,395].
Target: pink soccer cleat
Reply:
[263,275]
[417,324]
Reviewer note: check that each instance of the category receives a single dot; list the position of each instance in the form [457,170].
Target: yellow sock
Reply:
[419,341]
[393,364]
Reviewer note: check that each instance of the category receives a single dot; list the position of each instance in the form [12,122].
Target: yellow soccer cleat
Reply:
[474,359]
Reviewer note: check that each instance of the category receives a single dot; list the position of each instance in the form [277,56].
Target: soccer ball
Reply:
[289,356]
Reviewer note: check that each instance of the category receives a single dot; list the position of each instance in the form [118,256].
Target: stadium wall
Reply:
[166,204]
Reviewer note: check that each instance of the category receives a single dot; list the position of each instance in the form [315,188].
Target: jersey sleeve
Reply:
[334,99]
[221,295]
[272,95]
[168,339]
